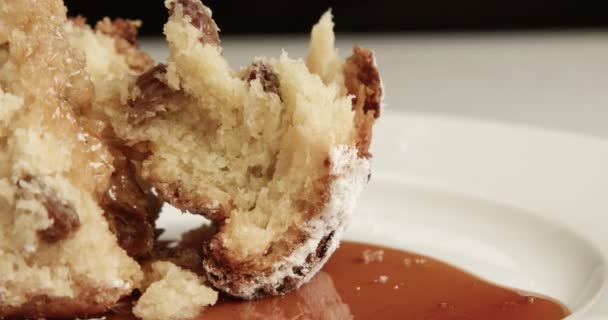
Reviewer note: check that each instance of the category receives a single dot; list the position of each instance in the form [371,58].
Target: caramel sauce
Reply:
[363,281]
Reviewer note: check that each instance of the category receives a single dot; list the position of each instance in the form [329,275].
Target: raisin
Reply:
[201,19]
[267,77]
[65,220]
[153,95]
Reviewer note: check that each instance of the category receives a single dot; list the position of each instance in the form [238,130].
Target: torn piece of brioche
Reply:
[113,60]
[58,257]
[172,293]
[275,154]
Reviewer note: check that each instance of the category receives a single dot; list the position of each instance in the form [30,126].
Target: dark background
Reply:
[246,17]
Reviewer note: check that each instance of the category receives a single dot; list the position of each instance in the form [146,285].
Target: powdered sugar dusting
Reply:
[351,175]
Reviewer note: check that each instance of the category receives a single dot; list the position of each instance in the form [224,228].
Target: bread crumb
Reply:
[173,293]
[370,256]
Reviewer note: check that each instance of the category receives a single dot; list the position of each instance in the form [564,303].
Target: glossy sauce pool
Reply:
[363,281]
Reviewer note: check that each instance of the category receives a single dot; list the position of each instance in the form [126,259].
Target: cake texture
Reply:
[95,137]
[113,61]
[275,154]
[58,256]
[172,293]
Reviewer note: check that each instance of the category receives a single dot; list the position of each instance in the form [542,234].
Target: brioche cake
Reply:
[94,137]
[172,293]
[113,60]
[58,256]
[275,154]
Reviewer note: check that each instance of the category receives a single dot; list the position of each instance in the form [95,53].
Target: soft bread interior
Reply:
[254,143]
[55,244]
[323,59]
[113,59]
[172,293]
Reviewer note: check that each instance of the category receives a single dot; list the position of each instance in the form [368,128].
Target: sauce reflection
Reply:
[363,281]
[316,300]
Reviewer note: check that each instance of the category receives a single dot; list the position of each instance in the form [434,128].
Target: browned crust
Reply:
[362,80]
[231,275]
[125,34]
[86,305]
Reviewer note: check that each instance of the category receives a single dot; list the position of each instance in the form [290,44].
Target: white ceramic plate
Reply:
[519,206]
